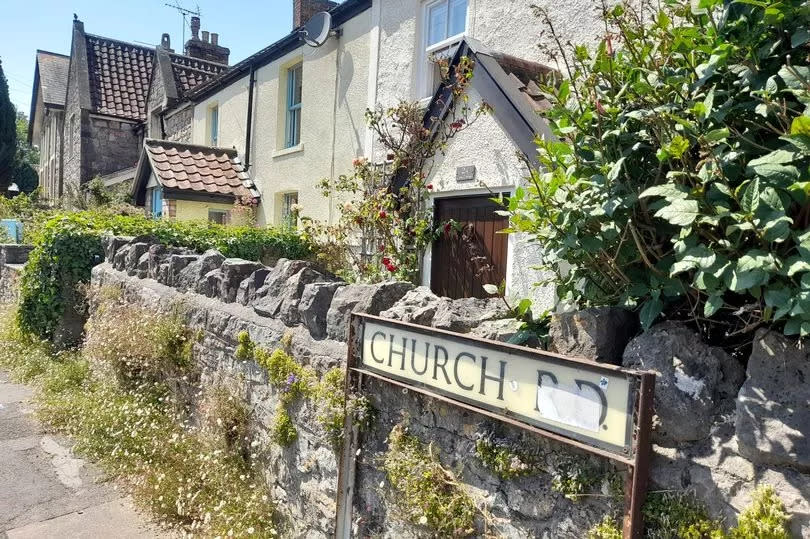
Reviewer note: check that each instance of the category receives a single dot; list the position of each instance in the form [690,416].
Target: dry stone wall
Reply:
[12,260]
[720,430]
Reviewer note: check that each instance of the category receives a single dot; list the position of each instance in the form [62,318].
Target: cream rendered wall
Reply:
[507,26]
[332,121]
[192,210]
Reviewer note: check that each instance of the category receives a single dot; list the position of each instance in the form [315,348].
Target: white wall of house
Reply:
[507,26]
[332,121]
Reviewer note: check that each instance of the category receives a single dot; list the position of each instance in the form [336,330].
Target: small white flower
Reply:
[423,520]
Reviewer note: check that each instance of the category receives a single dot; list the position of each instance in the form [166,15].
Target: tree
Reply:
[8,134]
[27,160]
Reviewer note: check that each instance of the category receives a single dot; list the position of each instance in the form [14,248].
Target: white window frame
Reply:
[288,200]
[426,85]
[212,125]
[292,131]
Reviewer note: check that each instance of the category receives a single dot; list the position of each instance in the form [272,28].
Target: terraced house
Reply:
[264,131]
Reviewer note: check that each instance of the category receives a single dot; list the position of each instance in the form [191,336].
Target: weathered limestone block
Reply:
[276,279]
[418,306]
[598,334]
[120,258]
[142,268]
[110,244]
[159,255]
[192,274]
[314,306]
[136,251]
[169,273]
[365,298]
[248,287]
[284,304]
[210,284]
[462,315]
[692,379]
[773,405]
[498,330]
[234,271]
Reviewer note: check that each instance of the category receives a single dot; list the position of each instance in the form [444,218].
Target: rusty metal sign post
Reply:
[601,409]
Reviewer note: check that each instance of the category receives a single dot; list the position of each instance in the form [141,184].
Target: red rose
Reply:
[386,261]
[383,215]
[392,268]
[429,186]
[447,228]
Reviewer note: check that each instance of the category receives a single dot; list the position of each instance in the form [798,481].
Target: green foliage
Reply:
[288,376]
[678,182]
[671,515]
[8,134]
[68,245]
[27,159]
[139,345]
[245,349]
[607,528]
[504,459]
[334,407]
[282,429]
[574,476]
[135,433]
[427,494]
[765,518]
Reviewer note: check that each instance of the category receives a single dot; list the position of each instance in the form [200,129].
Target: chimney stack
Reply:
[303,10]
[166,42]
[203,48]
[195,28]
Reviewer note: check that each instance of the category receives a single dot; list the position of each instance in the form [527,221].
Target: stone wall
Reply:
[108,145]
[719,431]
[12,260]
[177,125]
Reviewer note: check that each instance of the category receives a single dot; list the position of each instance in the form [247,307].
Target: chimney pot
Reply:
[165,41]
[195,27]
[214,39]
[205,36]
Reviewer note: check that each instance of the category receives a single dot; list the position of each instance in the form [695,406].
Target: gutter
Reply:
[249,126]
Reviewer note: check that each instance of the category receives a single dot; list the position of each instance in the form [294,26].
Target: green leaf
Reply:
[777,298]
[649,312]
[800,126]
[491,289]
[696,257]
[712,305]
[668,190]
[679,212]
[750,197]
[717,134]
[615,170]
[800,37]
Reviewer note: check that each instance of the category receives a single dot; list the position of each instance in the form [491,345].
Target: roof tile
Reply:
[119,76]
[198,168]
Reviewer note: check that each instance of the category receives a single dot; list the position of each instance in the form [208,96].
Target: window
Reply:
[445,22]
[156,204]
[293,130]
[218,216]
[289,210]
[213,125]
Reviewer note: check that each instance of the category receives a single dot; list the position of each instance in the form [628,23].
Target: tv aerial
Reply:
[318,29]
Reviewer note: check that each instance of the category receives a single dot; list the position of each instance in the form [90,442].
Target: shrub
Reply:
[765,518]
[333,406]
[678,514]
[607,528]
[282,430]
[427,493]
[68,245]
[678,181]
[505,459]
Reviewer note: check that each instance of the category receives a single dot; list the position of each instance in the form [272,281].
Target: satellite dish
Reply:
[317,30]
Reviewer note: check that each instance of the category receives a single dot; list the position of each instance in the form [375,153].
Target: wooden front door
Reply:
[473,253]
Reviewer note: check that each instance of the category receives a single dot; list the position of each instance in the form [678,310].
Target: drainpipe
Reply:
[249,126]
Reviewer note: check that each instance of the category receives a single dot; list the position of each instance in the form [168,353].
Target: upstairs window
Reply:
[294,87]
[445,22]
[213,125]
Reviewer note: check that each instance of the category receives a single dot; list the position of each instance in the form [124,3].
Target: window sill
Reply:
[287,151]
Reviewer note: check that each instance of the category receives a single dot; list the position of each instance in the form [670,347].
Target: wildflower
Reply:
[383,215]
[423,520]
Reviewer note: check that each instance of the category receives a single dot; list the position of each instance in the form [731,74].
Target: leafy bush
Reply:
[678,182]
[68,245]
[765,518]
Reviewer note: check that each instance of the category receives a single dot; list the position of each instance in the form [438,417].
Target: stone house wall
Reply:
[719,431]
[178,125]
[108,145]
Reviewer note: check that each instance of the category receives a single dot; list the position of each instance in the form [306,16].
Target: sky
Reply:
[243,26]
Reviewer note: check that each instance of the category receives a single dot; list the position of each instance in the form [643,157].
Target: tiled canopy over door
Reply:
[472,254]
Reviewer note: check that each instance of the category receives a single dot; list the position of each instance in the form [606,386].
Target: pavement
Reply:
[46,491]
